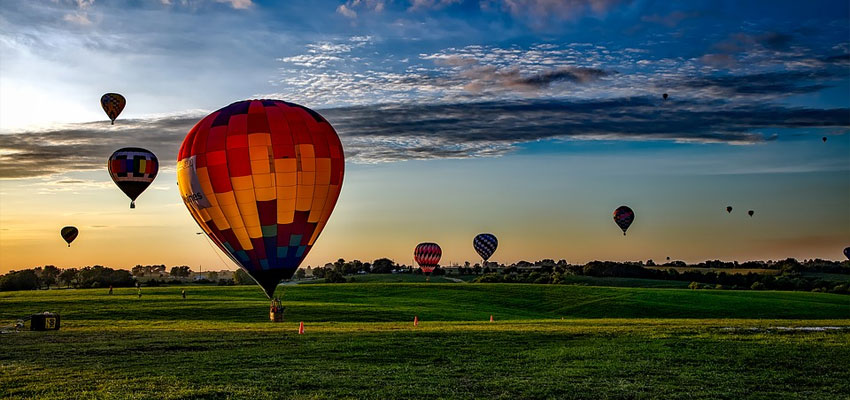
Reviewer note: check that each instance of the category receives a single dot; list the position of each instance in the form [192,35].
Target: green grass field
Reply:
[360,343]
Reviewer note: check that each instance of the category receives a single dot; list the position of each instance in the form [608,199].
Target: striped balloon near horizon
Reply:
[485,245]
[427,255]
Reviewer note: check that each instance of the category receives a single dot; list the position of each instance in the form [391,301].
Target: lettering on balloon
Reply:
[188,173]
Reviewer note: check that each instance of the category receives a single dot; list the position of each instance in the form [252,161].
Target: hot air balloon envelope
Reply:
[847,252]
[664,95]
[261,178]
[427,255]
[751,212]
[69,233]
[624,216]
[113,104]
[729,209]
[485,245]
[133,169]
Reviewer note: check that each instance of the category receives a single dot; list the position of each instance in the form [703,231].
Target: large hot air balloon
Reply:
[69,233]
[427,255]
[729,209]
[847,252]
[261,178]
[133,169]
[751,212]
[624,216]
[113,104]
[485,245]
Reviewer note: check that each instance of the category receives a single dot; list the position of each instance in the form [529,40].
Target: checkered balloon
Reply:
[485,245]
[261,178]
[133,169]
[624,216]
[427,255]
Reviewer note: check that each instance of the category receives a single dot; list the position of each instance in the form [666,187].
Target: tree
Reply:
[334,276]
[181,271]
[383,266]
[242,278]
[139,270]
[21,280]
[49,275]
[300,274]
[68,276]
[212,275]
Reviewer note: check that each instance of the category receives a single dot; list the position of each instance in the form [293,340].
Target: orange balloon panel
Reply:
[261,178]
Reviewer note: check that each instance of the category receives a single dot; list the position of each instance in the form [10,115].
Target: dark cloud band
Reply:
[381,133]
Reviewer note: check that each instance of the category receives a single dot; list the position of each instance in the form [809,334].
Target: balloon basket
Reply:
[276,311]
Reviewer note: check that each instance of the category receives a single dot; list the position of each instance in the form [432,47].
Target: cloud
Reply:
[348,9]
[393,132]
[87,146]
[539,12]
[238,4]
[345,11]
[763,84]
[416,5]
[670,20]
[719,60]
[490,78]
[77,18]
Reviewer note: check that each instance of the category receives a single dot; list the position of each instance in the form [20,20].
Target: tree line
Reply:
[789,274]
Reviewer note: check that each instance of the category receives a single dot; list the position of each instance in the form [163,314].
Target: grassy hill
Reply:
[360,343]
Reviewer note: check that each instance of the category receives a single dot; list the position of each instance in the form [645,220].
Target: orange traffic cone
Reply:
[415,320]
[301,328]
[491,317]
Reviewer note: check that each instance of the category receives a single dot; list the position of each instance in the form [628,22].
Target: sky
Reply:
[529,119]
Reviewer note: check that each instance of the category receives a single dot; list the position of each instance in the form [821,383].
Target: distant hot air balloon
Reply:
[69,233]
[824,139]
[751,212]
[485,244]
[624,216]
[729,209]
[847,252]
[261,178]
[113,104]
[427,255]
[133,169]
[664,96]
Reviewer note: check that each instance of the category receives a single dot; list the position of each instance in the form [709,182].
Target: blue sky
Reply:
[561,98]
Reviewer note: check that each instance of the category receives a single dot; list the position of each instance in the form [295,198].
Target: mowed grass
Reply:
[360,343]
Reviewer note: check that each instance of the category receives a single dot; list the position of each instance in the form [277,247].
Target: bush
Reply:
[757,286]
[694,285]
[225,282]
